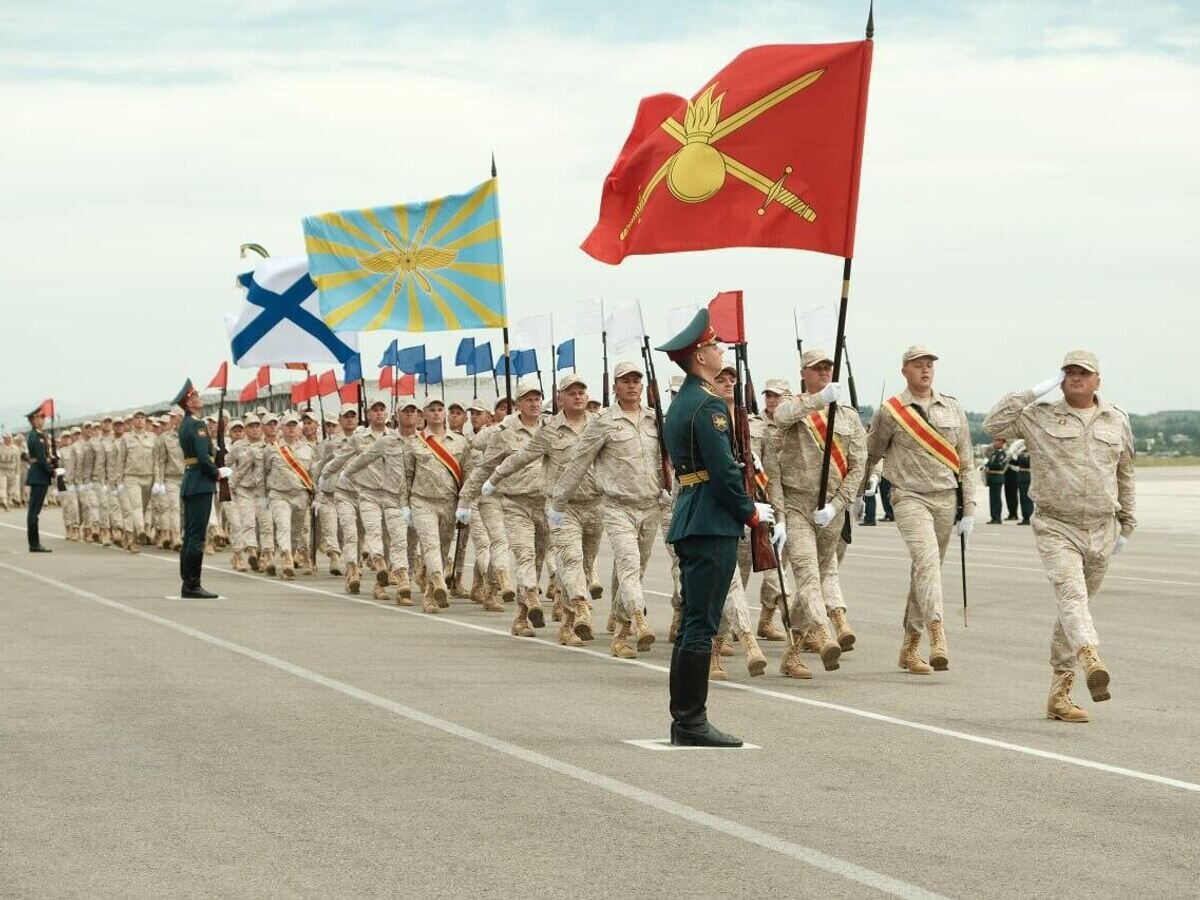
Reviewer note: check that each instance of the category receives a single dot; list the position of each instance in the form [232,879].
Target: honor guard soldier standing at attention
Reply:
[1081,451]
[993,475]
[711,514]
[39,478]
[199,483]
[925,443]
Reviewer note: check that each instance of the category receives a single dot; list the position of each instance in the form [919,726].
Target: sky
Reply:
[1029,182]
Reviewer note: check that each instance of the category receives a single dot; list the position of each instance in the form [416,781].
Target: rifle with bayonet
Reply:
[654,398]
[762,554]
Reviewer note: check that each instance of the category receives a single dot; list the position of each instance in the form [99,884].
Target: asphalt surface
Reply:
[288,740]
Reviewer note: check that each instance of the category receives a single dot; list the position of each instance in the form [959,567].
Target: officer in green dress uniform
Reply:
[711,514]
[1020,464]
[994,469]
[41,475]
[200,476]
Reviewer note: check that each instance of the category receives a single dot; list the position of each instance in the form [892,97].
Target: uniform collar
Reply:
[635,418]
[1063,408]
[907,398]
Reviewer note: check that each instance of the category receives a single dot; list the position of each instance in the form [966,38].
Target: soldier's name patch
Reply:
[720,422]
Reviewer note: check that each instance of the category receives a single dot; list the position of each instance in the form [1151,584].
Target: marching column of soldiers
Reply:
[398,500]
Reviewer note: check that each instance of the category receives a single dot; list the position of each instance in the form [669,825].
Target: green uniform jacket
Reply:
[997,462]
[40,470]
[199,467]
[697,434]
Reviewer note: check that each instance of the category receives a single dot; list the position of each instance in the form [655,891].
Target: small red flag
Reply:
[349,392]
[249,393]
[300,392]
[726,318]
[47,408]
[386,378]
[767,154]
[405,386]
[221,379]
[327,384]
[264,377]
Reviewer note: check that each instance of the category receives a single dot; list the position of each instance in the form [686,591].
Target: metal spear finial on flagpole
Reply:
[871,21]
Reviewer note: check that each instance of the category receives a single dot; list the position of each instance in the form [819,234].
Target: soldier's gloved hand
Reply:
[872,486]
[832,392]
[59,472]
[766,513]
[463,515]
[343,482]
[70,488]
[965,526]
[778,537]
[824,515]
[757,462]
[120,490]
[104,488]
[224,472]
[1120,544]
[156,489]
[325,485]
[555,518]
[406,515]
[488,488]
[665,496]
[1045,387]
[316,507]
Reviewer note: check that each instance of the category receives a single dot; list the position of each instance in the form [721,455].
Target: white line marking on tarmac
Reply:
[725,685]
[729,827]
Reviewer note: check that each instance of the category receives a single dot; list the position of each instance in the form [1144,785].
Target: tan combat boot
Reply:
[792,665]
[479,587]
[1095,672]
[756,662]
[520,625]
[106,539]
[556,611]
[403,588]
[352,578]
[845,634]
[645,634]
[507,592]
[726,648]
[611,625]
[492,603]
[620,641]
[252,558]
[582,622]
[335,562]
[596,590]
[533,606]
[676,621]
[910,655]
[566,631]
[809,643]
[130,544]
[1059,705]
[288,572]
[766,626]
[830,650]
[267,562]
[177,541]
[439,591]
[716,672]
[235,561]
[939,656]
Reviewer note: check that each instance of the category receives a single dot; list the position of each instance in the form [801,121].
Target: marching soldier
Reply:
[326,505]
[993,475]
[69,501]
[197,485]
[341,449]
[622,444]
[490,509]
[523,500]
[924,440]
[1081,449]
[10,466]
[89,469]
[436,467]
[262,505]
[575,536]
[481,579]
[290,488]
[794,463]
[168,474]
[762,430]
[137,476]
[245,458]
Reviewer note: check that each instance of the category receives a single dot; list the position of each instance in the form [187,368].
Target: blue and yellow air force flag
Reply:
[281,322]
[430,266]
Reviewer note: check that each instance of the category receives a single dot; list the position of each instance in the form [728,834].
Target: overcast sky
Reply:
[1030,177]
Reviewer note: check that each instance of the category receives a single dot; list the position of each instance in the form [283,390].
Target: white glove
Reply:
[664,496]
[555,518]
[224,472]
[316,507]
[59,472]
[779,537]
[766,513]
[757,462]
[824,515]
[832,392]
[965,526]
[120,490]
[488,488]
[155,489]
[872,486]
[1045,387]
[70,488]
[324,484]
[104,488]
[406,515]
[1120,544]
[263,503]
[463,515]
[344,483]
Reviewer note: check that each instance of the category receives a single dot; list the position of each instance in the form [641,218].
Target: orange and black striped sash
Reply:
[818,427]
[294,464]
[445,457]
[934,443]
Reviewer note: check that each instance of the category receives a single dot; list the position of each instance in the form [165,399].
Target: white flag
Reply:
[818,328]
[589,317]
[535,331]
[280,322]
[624,326]
[681,316]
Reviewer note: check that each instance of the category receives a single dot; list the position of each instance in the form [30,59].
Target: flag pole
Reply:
[553,369]
[507,367]
[604,352]
[839,342]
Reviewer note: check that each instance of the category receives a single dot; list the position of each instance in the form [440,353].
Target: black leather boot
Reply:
[192,589]
[689,697]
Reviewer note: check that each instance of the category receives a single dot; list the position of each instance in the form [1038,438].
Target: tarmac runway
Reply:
[290,740]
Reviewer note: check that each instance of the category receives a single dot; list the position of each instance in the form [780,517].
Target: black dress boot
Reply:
[690,726]
[192,590]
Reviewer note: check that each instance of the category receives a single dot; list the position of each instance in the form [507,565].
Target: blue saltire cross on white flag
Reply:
[281,319]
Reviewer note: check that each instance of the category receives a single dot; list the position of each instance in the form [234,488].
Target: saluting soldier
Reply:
[924,440]
[197,486]
[1081,451]
[710,517]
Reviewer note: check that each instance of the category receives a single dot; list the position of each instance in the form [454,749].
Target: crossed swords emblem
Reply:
[698,169]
